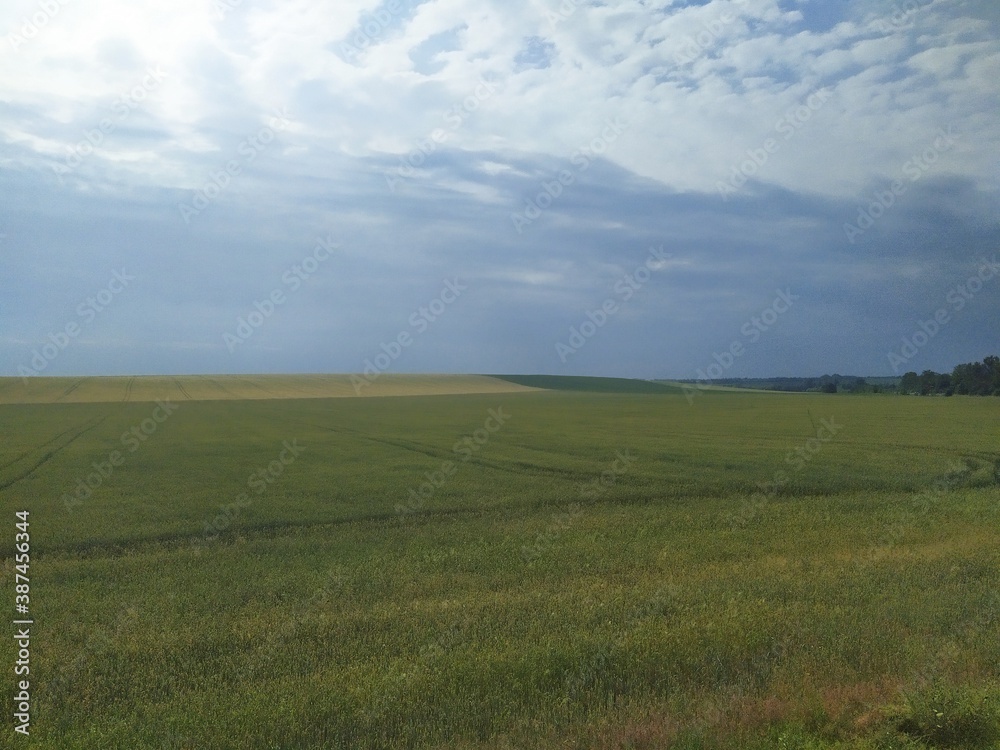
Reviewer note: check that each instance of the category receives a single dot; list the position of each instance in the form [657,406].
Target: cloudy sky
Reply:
[629,187]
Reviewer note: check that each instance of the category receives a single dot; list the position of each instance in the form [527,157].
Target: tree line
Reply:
[969,379]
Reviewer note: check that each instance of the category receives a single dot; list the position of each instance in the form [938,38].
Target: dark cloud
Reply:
[524,292]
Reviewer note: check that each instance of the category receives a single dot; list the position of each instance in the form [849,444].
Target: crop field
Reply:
[490,563]
[240,387]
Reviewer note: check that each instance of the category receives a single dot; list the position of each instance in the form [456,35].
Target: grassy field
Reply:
[240,387]
[533,569]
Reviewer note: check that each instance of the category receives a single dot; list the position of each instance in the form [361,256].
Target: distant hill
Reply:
[592,385]
[95,389]
[49,390]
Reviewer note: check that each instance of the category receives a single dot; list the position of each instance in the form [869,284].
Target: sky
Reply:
[643,188]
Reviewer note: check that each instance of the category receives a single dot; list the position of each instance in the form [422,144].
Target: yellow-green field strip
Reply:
[64,390]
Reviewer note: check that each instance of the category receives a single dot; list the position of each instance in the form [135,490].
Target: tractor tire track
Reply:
[50,454]
[519,467]
[222,387]
[430,451]
[28,452]
[128,390]
[72,388]
[258,386]
[512,467]
[182,389]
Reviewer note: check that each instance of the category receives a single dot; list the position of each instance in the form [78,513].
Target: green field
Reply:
[519,568]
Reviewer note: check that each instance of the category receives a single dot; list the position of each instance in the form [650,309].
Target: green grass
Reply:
[604,571]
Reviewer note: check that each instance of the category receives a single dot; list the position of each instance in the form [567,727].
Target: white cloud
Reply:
[698,85]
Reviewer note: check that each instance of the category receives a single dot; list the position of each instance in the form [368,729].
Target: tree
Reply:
[977,378]
[969,378]
[928,382]
[992,365]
